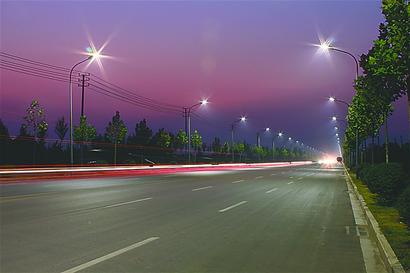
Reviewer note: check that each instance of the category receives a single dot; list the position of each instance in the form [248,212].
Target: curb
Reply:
[389,258]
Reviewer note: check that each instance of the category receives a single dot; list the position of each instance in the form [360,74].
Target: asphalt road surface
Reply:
[287,219]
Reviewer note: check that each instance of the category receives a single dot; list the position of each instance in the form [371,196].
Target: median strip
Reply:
[233,206]
[203,188]
[109,256]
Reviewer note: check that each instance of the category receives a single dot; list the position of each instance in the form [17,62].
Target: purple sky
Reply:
[252,58]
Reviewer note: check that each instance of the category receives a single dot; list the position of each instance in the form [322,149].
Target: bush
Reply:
[403,204]
[384,179]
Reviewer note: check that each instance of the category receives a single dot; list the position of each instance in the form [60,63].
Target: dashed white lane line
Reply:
[300,178]
[291,177]
[273,174]
[233,206]
[110,255]
[237,181]
[258,177]
[291,182]
[126,203]
[274,189]
[203,188]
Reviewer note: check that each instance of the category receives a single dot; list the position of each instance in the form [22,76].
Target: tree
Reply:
[162,139]
[239,148]
[4,142]
[216,145]
[142,134]
[35,124]
[181,139]
[84,133]
[196,141]
[115,132]
[61,129]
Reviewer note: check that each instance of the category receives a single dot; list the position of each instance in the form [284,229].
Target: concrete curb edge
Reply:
[390,260]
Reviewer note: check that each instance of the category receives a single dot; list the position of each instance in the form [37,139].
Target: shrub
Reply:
[403,204]
[384,179]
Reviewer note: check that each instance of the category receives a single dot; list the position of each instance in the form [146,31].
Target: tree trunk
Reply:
[372,149]
[115,153]
[386,140]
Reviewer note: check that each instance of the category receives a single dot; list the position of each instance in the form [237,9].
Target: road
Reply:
[287,219]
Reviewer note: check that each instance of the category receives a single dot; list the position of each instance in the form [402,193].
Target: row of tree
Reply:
[32,146]
[385,79]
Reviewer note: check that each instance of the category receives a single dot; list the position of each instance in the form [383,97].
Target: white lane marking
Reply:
[258,177]
[110,255]
[300,178]
[357,231]
[233,206]
[274,189]
[237,181]
[126,203]
[203,188]
[347,230]
[290,176]
[273,174]
[291,182]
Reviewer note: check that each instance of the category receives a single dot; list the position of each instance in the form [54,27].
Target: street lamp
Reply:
[258,137]
[241,119]
[70,90]
[187,111]
[92,54]
[326,46]
[334,118]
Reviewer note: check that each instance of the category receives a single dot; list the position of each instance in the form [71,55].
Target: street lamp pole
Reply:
[188,110]
[327,46]
[71,108]
[357,127]
[242,119]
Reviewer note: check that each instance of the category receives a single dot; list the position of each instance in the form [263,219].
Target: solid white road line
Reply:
[233,206]
[237,181]
[291,182]
[203,188]
[258,177]
[109,256]
[274,189]
[126,203]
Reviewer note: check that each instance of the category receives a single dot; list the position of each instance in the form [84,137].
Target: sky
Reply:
[253,58]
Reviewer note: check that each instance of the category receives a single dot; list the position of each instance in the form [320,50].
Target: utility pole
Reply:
[84,83]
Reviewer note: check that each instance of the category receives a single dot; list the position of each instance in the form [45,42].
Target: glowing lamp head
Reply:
[332,99]
[280,134]
[337,134]
[289,138]
[204,102]
[267,129]
[334,118]
[243,119]
[325,46]
[297,141]
[336,128]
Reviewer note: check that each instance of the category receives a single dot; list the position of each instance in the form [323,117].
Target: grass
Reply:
[396,232]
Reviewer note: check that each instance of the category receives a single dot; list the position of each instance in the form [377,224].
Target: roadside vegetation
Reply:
[119,145]
[381,171]
[390,217]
